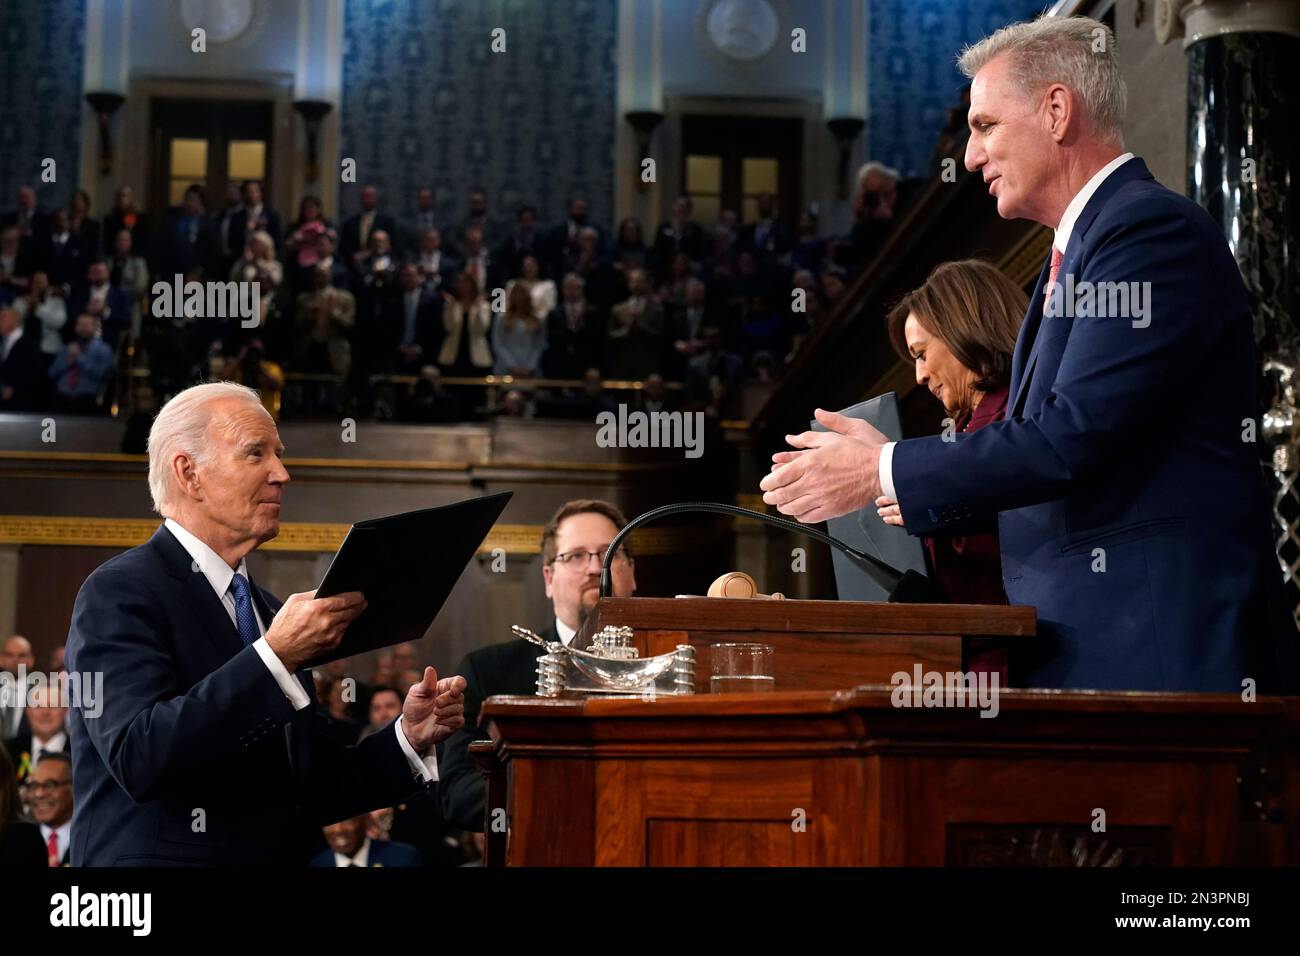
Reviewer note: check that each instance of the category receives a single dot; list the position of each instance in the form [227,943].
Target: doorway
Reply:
[209,142]
[729,161]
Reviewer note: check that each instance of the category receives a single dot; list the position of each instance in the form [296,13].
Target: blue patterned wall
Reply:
[42,45]
[426,102]
[912,75]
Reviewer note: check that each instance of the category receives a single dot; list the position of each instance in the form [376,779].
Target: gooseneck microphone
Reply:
[907,587]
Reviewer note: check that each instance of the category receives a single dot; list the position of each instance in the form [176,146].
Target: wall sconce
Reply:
[105,104]
[845,129]
[312,112]
[644,123]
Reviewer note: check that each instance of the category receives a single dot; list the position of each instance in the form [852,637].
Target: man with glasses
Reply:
[50,792]
[573,545]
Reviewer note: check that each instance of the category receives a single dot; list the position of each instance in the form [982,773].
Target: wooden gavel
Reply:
[738,584]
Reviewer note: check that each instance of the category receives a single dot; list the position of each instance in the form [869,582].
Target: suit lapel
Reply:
[1027,338]
[1022,363]
[214,618]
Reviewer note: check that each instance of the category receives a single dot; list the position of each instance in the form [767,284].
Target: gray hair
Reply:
[866,169]
[182,427]
[1077,52]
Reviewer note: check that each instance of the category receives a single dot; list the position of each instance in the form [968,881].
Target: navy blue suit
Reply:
[1128,440]
[385,853]
[195,728]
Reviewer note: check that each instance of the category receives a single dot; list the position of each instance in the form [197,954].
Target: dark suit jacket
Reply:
[115,222]
[65,264]
[1090,466]
[114,321]
[506,668]
[19,744]
[23,370]
[176,253]
[570,353]
[428,325]
[668,242]
[237,235]
[350,234]
[194,721]
[385,853]
[21,846]
[776,241]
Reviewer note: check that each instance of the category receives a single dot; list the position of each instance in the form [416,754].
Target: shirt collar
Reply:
[56,744]
[209,562]
[566,633]
[1072,211]
[62,831]
[362,857]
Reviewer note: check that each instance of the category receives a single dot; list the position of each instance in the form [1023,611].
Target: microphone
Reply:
[903,587]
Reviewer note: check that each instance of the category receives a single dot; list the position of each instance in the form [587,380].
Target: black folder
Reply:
[405,565]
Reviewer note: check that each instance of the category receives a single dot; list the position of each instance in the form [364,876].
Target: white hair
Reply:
[182,427]
[866,169]
[1077,52]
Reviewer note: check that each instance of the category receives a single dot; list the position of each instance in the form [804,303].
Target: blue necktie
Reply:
[245,617]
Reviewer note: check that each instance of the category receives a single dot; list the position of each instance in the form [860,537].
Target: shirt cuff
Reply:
[886,466]
[426,768]
[288,683]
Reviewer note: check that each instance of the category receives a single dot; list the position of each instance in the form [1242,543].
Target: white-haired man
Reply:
[1124,481]
[208,748]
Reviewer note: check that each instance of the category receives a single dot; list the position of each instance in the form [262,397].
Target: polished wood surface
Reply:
[822,645]
[848,778]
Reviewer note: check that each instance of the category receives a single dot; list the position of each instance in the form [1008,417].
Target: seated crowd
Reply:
[372,316]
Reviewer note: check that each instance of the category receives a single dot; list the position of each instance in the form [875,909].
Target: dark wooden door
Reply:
[728,161]
[209,142]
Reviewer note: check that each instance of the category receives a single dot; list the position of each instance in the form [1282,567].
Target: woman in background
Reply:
[959,331]
[518,338]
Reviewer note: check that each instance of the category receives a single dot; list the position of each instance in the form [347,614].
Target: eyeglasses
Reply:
[580,560]
[43,786]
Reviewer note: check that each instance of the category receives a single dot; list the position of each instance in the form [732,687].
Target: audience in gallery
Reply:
[419,304]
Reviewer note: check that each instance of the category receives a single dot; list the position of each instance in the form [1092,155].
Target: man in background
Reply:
[50,793]
[574,542]
[349,846]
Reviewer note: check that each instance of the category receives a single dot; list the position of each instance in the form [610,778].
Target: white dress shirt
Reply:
[566,633]
[1064,229]
[360,858]
[219,573]
[64,833]
[57,744]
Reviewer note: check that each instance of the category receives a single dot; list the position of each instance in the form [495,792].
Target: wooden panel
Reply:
[726,843]
[721,780]
[553,823]
[821,661]
[48,582]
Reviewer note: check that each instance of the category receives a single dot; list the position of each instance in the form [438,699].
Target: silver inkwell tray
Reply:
[610,666]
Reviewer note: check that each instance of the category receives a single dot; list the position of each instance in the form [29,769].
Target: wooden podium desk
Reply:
[844,777]
[819,645]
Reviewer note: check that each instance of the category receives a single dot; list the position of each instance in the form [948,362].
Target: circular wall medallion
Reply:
[742,29]
[223,20]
